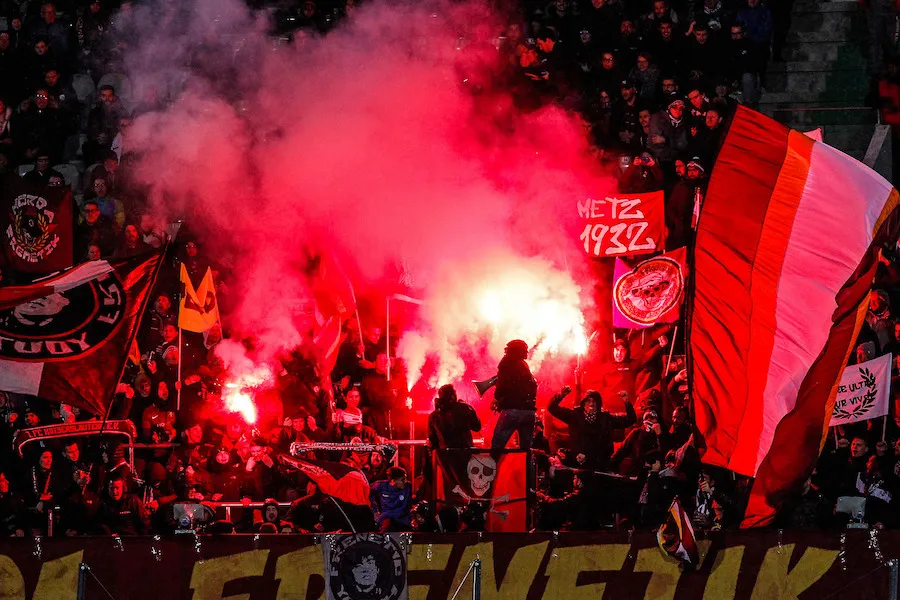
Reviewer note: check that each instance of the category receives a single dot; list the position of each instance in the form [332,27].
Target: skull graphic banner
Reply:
[483,484]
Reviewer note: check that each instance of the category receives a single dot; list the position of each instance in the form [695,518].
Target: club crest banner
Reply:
[365,567]
[864,392]
[652,292]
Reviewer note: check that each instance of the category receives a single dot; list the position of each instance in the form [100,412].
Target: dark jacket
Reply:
[629,458]
[516,386]
[101,234]
[451,426]
[390,503]
[593,439]
[676,138]
[125,517]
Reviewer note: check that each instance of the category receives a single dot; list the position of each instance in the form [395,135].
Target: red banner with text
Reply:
[626,225]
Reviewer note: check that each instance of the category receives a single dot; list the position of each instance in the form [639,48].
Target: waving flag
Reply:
[491,480]
[335,301]
[676,536]
[334,479]
[66,338]
[37,226]
[198,310]
[786,253]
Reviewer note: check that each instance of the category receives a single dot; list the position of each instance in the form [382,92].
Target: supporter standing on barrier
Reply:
[515,398]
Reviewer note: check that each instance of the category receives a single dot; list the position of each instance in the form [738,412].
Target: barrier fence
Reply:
[757,565]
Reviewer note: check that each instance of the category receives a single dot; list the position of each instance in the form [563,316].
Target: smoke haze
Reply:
[386,143]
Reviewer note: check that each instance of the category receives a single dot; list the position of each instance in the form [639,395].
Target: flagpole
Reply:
[387,338]
[671,350]
[137,326]
[362,345]
[884,429]
[180,361]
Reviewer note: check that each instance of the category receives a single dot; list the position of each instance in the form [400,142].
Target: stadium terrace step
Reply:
[820,82]
[823,52]
[805,118]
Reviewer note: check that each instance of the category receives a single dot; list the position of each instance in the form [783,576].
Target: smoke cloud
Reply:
[389,143]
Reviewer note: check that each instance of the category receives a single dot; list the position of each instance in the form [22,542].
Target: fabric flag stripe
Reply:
[754,439]
[14,295]
[769,341]
[811,278]
[71,347]
[809,420]
[724,266]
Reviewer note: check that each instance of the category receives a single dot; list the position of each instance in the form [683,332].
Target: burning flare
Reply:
[502,298]
[244,380]
[239,401]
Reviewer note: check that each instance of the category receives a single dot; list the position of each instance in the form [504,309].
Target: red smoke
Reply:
[384,144]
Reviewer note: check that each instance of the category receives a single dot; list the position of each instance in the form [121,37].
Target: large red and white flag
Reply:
[786,253]
[66,338]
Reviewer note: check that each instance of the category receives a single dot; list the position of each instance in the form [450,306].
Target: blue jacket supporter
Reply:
[389,502]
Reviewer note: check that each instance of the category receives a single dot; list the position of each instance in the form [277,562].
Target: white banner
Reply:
[864,392]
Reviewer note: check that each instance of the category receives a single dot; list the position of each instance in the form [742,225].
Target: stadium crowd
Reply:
[654,83]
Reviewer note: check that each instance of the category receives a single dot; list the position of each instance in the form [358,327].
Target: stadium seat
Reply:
[69,173]
[72,149]
[85,184]
[24,169]
[84,88]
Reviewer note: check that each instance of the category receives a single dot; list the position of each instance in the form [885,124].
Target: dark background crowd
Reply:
[654,83]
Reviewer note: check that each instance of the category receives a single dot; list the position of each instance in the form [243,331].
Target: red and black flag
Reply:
[37,226]
[334,479]
[489,481]
[66,338]
[676,536]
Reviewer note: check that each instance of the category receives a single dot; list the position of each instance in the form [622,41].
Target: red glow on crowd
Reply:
[239,401]
[506,297]
[238,392]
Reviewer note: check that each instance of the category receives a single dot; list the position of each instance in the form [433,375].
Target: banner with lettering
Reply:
[365,566]
[623,225]
[66,337]
[864,392]
[37,226]
[734,565]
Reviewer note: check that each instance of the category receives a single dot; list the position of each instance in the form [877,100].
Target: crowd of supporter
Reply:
[654,83]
